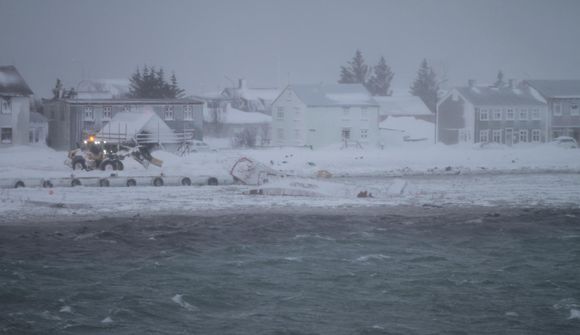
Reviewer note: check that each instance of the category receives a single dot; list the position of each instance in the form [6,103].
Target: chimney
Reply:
[471,83]
[242,83]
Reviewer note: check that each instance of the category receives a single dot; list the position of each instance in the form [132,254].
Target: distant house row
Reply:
[531,111]
[318,115]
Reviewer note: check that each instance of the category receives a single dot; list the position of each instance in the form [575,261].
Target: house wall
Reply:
[68,124]
[528,124]
[17,119]
[288,120]
[450,119]
[568,122]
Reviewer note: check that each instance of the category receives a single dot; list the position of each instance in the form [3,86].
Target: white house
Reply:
[14,107]
[324,114]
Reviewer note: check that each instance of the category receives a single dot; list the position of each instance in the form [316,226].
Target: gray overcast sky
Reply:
[270,42]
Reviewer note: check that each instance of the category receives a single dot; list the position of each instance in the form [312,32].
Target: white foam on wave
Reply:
[367,258]
[66,309]
[293,259]
[574,314]
[107,320]
[178,299]
[316,236]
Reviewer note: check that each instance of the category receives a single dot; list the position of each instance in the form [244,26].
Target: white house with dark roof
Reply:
[324,114]
[563,99]
[15,98]
[485,114]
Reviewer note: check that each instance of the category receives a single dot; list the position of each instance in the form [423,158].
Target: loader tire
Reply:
[186,181]
[120,165]
[212,181]
[108,165]
[78,163]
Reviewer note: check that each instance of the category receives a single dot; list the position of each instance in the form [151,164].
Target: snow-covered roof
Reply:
[402,105]
[333,95]
[133,123]
[409,126]
[557,88]
[103,89]
[133,101]
[12,83]
[266,94]
[500,96]
[236,116]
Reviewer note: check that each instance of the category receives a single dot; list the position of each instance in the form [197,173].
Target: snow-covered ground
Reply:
[415,176]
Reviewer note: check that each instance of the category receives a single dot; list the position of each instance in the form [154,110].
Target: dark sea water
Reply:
[457,271]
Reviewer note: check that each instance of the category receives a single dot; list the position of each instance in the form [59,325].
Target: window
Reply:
[168,113]
[483,115]
[574,109]
[523,135]
[523,115]
[484,136]
[345,111]
[509,114]
[188,113]
[280,134]
[496,136]
[535,114]
[557,109]
[107,113]
[497,114]
[126,108]
[6,135]
[89,114]
[5,106]
[364,133]
[280,115]
[345,133]
[536,135]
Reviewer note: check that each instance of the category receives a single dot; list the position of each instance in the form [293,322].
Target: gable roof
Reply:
[500,96]
[402,105]
[103,89]
[333,95]
[12,83]
[556,88]
[125,125]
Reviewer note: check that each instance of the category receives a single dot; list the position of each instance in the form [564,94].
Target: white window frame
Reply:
[364,133]
[484,136]
[510,114]
[6,140]
[557,106]
[574,109]
[536,135]
[5,106]
[521,113]
[484,115]
[523,136]
[536,114]
[188,113]
[497,114]
[496,135]
[89,113]
[280,114]
[126,108]
[107,113]
[168,113]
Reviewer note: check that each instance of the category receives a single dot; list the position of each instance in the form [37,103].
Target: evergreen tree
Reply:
[380,81]
[426,86]
[356,72]
[151,84]
[499,82]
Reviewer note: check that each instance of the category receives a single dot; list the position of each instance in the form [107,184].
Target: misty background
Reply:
[209,44]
